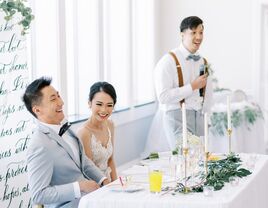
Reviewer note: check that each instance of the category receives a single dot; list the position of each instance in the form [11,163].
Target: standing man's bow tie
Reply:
[194,57]
[64,128]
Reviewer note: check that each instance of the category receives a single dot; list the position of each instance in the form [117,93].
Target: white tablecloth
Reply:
[251,192]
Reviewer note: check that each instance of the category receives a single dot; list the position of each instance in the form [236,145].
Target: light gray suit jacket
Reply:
[52,169]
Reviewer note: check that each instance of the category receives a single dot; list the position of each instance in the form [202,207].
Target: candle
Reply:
[228,113]
[206,131]
[184,127]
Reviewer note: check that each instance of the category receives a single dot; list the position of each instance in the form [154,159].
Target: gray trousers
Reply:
[172,121]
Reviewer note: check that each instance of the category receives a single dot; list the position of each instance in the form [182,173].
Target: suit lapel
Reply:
[54,136]
[72,134]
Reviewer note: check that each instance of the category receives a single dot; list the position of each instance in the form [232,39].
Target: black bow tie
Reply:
[64,128]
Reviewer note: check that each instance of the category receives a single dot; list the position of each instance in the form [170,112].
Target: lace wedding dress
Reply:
[101,154]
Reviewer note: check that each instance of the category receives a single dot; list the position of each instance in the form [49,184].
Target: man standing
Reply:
[58,170]
[178,80]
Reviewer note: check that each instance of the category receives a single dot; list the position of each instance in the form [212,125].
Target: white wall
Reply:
[230,36]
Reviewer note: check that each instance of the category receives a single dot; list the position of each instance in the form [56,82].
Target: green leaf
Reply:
[10,7]
[175,152]
[154,155]
[248,115]
[10,4]
[242,172]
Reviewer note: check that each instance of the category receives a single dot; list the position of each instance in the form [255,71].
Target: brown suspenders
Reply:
[180,76]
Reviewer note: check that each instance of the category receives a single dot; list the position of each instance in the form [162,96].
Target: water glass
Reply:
[173,163]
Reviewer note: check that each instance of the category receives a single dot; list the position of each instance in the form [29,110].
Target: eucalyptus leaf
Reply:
[10,7]
[248,116]
[220,172]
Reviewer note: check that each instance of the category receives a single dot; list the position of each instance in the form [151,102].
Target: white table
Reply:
[251,192]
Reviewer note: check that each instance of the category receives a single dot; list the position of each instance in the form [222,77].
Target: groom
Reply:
[58,170]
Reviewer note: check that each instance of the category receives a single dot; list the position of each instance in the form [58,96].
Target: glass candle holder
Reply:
[208,191]
[234,181]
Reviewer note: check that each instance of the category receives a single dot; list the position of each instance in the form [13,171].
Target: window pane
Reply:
[45,40]
[117,48]
[70,11]
[143,51]
[87,37]
[82,52]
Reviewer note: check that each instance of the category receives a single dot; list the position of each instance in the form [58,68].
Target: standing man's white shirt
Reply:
[166,81]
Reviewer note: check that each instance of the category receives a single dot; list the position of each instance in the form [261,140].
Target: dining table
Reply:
[247,192]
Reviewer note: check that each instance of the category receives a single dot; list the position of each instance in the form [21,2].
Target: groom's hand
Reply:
[87,186]
[199,82]
[105,182]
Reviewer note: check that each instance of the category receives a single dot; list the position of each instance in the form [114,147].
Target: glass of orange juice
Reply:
[155,179]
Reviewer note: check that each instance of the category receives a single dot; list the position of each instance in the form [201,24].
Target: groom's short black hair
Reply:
[33,94]
[190,22]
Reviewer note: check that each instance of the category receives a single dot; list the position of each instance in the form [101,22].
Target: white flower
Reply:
[192,139]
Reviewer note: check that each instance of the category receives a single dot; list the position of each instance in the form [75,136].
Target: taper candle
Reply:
[184,126]
[228,113]
[206,131]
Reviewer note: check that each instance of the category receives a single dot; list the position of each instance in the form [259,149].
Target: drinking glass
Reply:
[155,179]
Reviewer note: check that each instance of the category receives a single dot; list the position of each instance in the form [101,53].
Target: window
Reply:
[45,40]
[143,51]
[93,41]
[82,46]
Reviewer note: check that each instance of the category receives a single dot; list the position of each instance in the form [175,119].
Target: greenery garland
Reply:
[219,173]
[10,7]
[248,114]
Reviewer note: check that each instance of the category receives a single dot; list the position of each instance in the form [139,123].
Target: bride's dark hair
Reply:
[102,87]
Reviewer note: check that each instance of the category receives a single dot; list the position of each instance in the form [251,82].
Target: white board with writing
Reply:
[15,121]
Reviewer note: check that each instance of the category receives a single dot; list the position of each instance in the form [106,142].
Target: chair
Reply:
[238,96]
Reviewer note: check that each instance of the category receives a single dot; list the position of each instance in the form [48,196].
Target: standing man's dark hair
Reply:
[102,87]
[190,23]
[33,94]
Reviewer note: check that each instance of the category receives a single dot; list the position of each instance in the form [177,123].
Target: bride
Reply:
[97,133]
